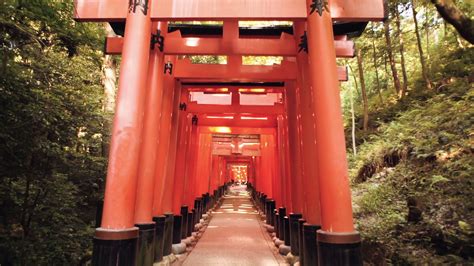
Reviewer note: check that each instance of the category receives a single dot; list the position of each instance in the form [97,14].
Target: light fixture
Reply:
[253,118]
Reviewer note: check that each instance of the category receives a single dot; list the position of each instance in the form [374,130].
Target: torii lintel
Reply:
[182,10]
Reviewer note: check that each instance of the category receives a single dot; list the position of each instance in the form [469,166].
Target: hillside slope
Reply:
[413,181]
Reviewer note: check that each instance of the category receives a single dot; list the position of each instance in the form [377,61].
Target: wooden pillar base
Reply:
[275,223]
[146,244]
[301,222]
[310,244]
[286,229]
[270,206]
[190,228]
[294,236]
[281,223]
[159,237]
[197,208]
[177,222]
[114,246]
[168,238]
[184,221]
[339,248]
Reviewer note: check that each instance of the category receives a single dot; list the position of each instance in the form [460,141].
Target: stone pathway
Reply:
[235,236]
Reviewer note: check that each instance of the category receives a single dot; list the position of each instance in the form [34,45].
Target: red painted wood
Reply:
[121,184]
[150,136]
[336,207]
[181,10]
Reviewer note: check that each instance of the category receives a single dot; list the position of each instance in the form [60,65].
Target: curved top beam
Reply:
[185,10]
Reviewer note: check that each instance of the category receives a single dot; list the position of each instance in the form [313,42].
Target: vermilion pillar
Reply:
[190,165]
[338,242]
[295,151]
[266,158]
[282,154]
[148,155]
[215,166]
[151,129]
[166,145]
[204,164]
[277,177]
[288,179]
[179,224]
[180,165]
[311,209]
[222,171]
[167,201]
[168,139]
[117,228]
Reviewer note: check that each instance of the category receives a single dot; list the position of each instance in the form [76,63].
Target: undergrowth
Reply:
[413,180]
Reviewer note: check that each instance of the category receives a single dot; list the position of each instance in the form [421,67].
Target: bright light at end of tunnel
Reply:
[192,42]
[253,118]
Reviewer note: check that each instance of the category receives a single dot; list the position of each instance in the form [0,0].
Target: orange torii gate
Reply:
[151,182]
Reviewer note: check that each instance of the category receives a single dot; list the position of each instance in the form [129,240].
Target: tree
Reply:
[50,161]
[109,81]
[454,16]
[391,59]
[375,64]
[402,53]
[363,89]
[424,71]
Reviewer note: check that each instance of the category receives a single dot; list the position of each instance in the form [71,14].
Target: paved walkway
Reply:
[234,236]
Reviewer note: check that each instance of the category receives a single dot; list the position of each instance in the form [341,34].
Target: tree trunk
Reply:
[377,78]
[354,147]
[365,101]
[385,65]
[402,55]
[427,33]
[396,80]
[355,80]
[451,13]
[420,48]
[109,80]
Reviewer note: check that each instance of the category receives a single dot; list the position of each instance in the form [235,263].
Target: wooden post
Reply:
[338,242]
[118,221]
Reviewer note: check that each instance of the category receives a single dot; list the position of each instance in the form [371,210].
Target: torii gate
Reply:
[145,181]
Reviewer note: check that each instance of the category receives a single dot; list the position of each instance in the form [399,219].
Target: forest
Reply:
[408,112]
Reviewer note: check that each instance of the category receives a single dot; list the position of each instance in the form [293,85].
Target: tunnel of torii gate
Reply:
[183,131]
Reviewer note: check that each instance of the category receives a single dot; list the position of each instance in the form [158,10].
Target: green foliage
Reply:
[430,144]
[51,163]
[418,150]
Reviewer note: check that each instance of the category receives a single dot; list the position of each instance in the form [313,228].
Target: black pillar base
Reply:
[115,247]
[281,222]
[177,222]
[294,236]
[263,199]
[339,248]
[146,244]
[270,206]
[159,237]
[286,227]
[310,245]
[277,224]
[190,228]
[184,221]
[301,222]
[197,209]
[168,239]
